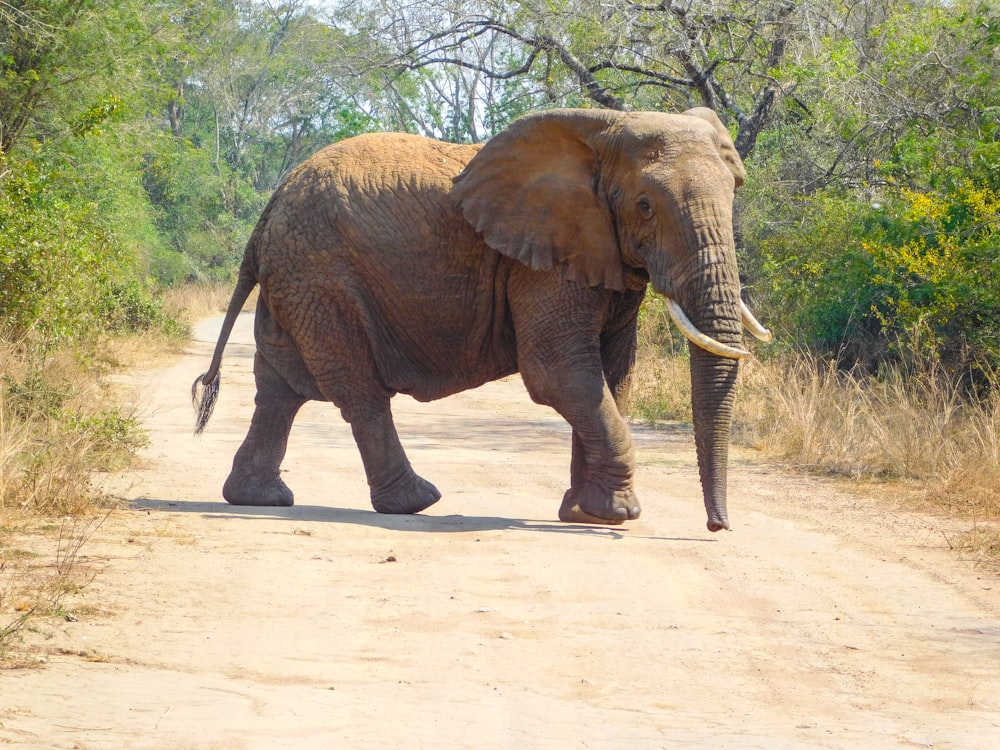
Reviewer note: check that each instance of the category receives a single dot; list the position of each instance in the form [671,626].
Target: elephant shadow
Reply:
[412,523]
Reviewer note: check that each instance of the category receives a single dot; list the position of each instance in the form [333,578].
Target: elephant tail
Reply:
[205,389]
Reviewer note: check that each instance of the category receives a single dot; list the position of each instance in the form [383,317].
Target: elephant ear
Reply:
[730,156]
[533,193]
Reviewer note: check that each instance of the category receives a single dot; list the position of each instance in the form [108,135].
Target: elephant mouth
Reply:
[711,345]
[635,278]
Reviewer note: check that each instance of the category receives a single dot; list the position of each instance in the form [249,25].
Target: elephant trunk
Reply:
[713,389]
[708,290]
[715,308]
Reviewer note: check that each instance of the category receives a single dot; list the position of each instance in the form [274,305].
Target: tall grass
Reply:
[915,426]
[660,381]
[58,423]
[193,302]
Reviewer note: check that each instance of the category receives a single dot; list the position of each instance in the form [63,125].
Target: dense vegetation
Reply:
[139,140]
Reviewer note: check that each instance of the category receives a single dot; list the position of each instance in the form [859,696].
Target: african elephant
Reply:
[390,263]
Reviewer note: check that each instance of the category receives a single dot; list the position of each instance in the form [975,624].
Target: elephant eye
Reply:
[645,206]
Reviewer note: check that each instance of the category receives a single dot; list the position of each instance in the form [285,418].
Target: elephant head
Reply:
[619,199]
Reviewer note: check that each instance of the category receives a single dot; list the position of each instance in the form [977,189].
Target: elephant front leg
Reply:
[395,486]
[562,348]
[617,358]
[601,476]
[591,500]
[254,479]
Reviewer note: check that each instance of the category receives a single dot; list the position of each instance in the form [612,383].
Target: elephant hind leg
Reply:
[254,479]
[344,370]
[395,486]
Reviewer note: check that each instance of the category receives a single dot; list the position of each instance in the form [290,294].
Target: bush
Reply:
[854,280]
[127,308]
[56,429]
[204,213]
[56,255]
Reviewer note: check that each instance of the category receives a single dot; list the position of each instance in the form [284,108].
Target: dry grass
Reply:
[913,429]
[660,382]
[35,585]
[59,423]
[196,301]
[823,420]
[916,428]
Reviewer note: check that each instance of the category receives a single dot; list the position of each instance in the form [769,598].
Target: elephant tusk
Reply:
[698,338]
[752,324]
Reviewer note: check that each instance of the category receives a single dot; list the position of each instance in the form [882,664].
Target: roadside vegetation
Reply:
[139,142]
[63,424]
[59,424]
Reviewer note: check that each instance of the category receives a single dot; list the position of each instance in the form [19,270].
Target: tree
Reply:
[249,90]
[73,216]
[619,55]
[876,211]
[64,59]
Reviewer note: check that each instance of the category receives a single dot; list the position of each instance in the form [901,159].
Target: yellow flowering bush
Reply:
[864,276]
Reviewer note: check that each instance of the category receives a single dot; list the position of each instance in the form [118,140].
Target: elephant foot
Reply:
[411,494]
[242,491]
[591,503]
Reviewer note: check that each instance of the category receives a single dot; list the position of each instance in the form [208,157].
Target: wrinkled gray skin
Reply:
[391,263]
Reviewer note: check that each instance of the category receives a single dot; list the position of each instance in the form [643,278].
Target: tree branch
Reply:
[418,56]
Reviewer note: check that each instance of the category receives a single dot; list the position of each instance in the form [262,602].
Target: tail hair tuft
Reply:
[204,403]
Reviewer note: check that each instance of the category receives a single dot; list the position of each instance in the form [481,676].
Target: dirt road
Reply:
[822,620]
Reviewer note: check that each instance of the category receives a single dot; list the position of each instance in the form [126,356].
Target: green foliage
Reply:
[202,211]
[54,252]
[106,109]
[871,212]
[111,437]
[75,229]
[859,280]
[35,396]
[129,308]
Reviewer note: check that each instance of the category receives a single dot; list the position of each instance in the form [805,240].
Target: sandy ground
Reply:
[823,620]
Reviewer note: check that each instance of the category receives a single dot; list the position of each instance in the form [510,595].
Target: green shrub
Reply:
[34,396]
[857,280]
[111,437]
[56,254]
[127,308]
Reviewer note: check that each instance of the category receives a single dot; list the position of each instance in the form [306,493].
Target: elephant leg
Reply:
[591,497]
[578,464]
[343,369]
[603,462]
[618,346]
[395,486]
[254,479]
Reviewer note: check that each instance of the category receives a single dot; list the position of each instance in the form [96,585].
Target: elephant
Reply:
[391,263]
